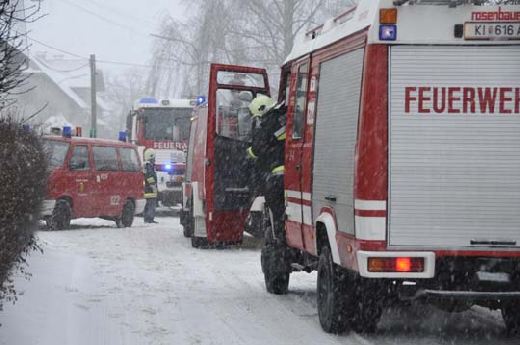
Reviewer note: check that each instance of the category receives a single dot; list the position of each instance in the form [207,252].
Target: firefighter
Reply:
[267,148]
[150,186]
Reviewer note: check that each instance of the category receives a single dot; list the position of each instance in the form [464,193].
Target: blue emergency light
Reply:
[168,167]
[67,131]
[201,100]
[122,136]
[148,100]
[388,32]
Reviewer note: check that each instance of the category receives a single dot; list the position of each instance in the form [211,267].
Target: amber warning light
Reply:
[388,16]
[400,264]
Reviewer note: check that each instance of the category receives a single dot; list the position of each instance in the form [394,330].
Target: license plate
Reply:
[492,31]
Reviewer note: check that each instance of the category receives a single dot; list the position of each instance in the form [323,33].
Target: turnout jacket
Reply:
[268,140]
[150,181]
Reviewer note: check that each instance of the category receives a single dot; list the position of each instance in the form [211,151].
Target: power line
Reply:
[103,18]
[57,49]
[85,58]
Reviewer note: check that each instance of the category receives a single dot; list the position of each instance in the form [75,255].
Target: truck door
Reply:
[297,198]
[229,173]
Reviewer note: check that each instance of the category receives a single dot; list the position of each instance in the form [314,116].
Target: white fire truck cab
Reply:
[402,172]
[163,125]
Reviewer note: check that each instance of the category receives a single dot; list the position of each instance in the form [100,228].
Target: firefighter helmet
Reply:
[260,105]
[149,155]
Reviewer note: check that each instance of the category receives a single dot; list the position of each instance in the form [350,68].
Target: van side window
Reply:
[79,159]
[301,101]
[105,158]
[129,159]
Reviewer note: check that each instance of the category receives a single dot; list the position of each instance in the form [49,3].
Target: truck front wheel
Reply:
[274,257]
[187,220]
[275,268]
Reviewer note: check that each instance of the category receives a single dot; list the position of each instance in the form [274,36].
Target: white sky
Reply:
[117,30]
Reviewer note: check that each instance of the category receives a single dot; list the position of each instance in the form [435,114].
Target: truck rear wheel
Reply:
[127,215]
[511,316]
[332,297]
[61,215]
[344,300]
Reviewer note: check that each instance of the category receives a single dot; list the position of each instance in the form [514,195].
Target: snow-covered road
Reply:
[97,284]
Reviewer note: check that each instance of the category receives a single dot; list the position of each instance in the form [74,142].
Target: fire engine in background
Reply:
[402,171]
[217,193]
[92,178]
[163,125]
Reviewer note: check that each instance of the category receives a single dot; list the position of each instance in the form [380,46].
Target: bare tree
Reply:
[122,91]
[13,16]
[22,156]
[253,32]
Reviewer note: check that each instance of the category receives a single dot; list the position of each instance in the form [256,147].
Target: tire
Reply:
[331,287]
[345,301]
[275,268]
[199,242]
[127,215]
[188,223]
[61,216]
[274,259]
[511,316]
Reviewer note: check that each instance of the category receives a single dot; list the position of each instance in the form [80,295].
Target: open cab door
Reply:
[229,172]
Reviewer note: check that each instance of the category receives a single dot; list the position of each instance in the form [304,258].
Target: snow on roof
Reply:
[352,20]
[57,121]
[67,74]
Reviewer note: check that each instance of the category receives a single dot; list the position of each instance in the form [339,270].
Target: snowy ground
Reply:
[97,284]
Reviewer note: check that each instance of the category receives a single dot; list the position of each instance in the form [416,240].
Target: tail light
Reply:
[396,264]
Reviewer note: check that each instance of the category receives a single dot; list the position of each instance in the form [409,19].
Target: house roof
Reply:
[68,74]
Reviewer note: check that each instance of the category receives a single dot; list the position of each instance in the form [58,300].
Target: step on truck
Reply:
[402,171]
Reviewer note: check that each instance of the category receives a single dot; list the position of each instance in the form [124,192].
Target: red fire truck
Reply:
[92,178]
[216,192]
[402,172]
[163,125]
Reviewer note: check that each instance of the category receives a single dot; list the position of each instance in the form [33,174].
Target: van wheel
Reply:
[61,215]
[127,215]
[199,242]
[188,221]
[511,316]
[332,296]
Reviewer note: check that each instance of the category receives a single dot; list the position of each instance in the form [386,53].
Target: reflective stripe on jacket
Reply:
[150,181]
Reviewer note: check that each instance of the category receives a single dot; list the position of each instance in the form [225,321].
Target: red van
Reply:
[92,178]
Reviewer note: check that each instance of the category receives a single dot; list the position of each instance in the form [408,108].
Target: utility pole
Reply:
[93,101]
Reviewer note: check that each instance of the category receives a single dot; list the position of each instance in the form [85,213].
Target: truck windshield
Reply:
[56,152]
[172,124]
